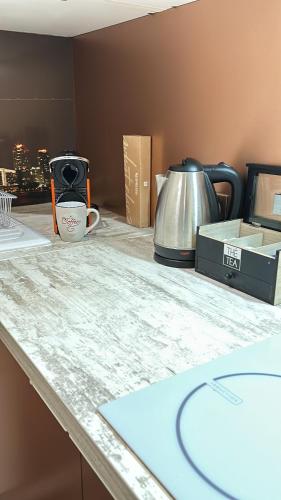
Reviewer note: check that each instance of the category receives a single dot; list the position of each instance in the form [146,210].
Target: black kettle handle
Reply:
[224,173]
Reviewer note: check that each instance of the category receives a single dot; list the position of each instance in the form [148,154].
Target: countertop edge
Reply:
[92,454]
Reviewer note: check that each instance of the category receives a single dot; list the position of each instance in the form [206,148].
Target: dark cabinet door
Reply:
[38,461]
[93,488]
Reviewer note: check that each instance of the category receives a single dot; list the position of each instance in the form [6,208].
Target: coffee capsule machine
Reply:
[69,180]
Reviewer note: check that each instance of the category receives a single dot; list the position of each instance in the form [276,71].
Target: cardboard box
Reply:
[137,169]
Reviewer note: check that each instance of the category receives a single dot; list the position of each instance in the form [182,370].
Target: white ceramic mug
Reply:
[72,220]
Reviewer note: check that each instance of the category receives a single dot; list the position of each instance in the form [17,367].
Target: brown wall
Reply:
[203,79]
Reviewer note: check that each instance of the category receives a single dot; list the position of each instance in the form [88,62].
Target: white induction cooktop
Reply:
[212,432]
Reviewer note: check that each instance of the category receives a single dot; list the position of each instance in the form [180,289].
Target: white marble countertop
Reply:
[92,321]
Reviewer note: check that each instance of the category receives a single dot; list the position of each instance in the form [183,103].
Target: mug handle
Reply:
[92,210]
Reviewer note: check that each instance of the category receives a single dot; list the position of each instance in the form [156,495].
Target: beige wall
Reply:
[203,79]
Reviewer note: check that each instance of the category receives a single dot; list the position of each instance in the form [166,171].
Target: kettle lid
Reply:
[187,165]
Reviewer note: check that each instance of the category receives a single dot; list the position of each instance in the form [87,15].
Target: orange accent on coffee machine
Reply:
[69,180]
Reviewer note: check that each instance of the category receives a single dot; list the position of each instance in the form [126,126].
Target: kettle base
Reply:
[165,261]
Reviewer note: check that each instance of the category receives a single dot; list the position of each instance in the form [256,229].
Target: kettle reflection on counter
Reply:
[186,200]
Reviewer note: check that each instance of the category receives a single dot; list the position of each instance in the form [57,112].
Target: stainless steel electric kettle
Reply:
[186,200]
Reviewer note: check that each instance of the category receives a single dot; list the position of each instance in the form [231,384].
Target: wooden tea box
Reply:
[246,254]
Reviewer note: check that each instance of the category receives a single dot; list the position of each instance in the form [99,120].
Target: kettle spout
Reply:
[160,181]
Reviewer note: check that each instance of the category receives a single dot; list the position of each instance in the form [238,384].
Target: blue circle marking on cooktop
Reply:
[183,447]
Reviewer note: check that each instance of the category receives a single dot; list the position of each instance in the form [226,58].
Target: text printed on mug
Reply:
[71,223]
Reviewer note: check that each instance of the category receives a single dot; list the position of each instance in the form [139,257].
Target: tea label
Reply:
[232,256]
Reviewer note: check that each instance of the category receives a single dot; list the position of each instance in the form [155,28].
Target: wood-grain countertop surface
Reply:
[92,321]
